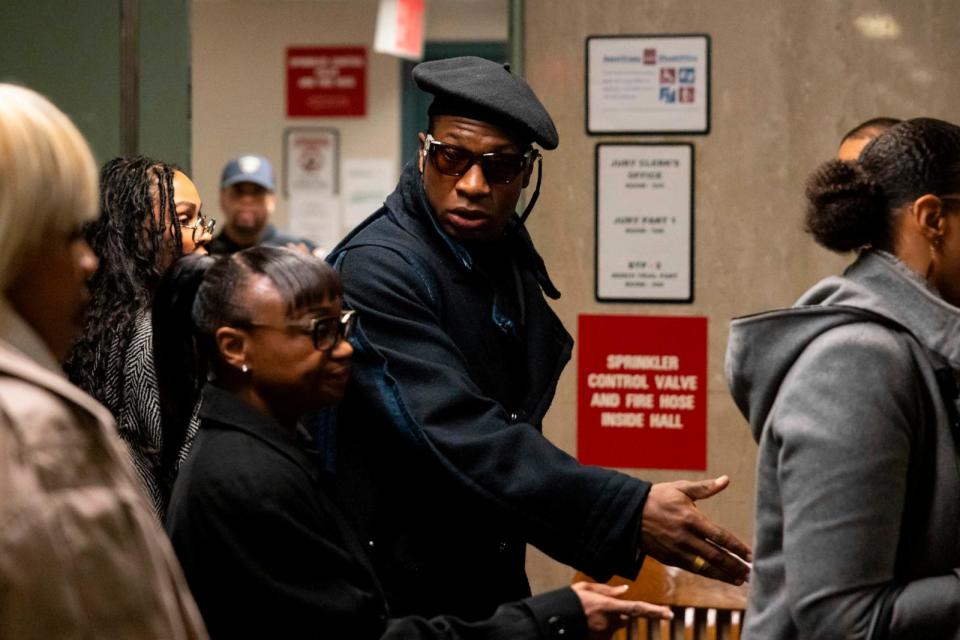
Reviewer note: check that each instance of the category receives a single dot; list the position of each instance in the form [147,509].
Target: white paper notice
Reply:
[648,84]
[315,216]
[311,162]
[366,184]
[400,28]
[645,222]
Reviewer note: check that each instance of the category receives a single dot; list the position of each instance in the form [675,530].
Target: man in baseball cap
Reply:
[440,455]
[248,199]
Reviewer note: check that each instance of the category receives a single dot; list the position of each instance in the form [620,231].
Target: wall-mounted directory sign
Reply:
[644,222]
[648,84]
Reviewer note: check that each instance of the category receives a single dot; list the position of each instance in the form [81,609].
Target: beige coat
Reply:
[81,554]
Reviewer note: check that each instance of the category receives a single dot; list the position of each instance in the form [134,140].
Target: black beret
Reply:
[484,90]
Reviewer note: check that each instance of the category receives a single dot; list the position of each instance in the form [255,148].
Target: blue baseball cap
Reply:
[249,168]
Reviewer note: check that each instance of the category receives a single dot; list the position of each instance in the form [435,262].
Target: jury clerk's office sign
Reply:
[642,391]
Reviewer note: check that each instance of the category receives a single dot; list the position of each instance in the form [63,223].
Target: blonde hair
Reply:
[48,178]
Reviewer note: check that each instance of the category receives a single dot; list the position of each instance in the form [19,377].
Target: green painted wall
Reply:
[70,51]
[165,80]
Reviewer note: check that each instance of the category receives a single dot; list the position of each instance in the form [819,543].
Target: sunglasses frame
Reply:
[430,144]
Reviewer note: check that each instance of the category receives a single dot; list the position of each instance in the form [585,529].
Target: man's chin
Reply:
[470,230]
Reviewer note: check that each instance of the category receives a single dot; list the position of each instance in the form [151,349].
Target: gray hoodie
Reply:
[858,485]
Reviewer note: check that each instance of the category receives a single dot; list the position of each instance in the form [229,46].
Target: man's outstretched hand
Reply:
[676,533]
[606,612]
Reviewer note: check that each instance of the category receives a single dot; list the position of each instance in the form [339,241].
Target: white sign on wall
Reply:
[644,222]
[311,173]
[366,184]
[648,84]
[315,216]
[311,160]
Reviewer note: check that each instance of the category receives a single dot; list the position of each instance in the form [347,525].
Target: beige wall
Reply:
[239,84]
[788,79]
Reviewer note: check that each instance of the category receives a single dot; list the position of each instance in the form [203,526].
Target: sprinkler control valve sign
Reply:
[642,392]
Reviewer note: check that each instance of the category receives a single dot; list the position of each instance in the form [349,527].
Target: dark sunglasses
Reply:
[498,168]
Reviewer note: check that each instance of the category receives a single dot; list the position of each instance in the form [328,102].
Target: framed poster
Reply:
[648,84]
[642,391]
[311,160]
[311,183]
[644,222]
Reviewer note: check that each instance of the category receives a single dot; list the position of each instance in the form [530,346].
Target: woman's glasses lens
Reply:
[328,332]
[202,226]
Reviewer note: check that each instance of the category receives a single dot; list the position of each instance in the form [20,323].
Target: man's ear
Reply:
[928,215]
[422,153]
[232,345]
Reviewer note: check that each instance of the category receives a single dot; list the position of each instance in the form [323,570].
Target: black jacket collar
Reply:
[222,409]
[409,207]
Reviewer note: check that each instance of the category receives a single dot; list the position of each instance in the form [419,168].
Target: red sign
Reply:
[642,392]
[326,81]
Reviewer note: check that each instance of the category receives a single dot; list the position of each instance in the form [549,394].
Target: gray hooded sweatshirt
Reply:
[858,474]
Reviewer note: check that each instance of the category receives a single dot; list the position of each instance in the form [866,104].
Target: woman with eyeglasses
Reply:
[264,546]
[150,214]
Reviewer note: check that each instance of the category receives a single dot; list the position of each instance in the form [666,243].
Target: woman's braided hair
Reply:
[851,205]
[136,208]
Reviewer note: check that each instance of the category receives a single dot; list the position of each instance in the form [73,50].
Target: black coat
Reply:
[268,554]
[439,451]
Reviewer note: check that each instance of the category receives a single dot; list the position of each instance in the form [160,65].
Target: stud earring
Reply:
[244,367]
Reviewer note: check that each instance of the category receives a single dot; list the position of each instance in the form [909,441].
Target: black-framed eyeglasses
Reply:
[328,331]
[498,168]
[201,226]
[325,331]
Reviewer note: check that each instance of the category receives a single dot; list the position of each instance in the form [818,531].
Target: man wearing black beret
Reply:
[440,456]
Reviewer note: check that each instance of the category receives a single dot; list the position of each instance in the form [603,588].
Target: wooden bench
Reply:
[703,609]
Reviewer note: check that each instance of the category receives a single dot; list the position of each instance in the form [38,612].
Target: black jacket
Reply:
[267,554]
[439,454]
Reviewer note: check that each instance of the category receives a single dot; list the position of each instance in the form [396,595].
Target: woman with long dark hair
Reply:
[150,214]
[851,395]
[266,550]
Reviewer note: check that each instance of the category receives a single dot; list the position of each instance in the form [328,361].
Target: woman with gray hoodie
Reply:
[851,396]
